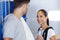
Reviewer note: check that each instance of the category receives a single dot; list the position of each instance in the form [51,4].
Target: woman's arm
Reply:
[53,38]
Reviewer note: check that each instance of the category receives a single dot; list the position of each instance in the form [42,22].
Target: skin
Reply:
[7,39]
[41,18]
[19,12]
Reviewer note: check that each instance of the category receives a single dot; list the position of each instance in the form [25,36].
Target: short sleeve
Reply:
[51,33]
[9,29]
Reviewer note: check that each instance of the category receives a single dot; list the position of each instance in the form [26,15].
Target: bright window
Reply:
[54,15]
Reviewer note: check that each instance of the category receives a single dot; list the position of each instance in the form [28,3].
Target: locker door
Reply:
[0,22]
[4,10]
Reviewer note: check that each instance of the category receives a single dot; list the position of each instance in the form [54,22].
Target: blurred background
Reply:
[51,6]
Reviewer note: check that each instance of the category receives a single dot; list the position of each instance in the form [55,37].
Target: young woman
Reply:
[43,20]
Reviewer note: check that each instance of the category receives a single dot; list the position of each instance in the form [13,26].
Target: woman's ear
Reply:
[46,17]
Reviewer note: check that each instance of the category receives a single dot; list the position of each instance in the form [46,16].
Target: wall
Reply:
[49,5]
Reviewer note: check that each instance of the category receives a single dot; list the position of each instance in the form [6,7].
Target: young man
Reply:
[15,27]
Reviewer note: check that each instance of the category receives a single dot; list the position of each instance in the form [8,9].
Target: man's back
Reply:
[13,28]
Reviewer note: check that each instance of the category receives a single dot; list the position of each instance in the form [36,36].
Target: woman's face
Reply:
[41,18]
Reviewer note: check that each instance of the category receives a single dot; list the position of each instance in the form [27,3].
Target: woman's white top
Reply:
[49,34]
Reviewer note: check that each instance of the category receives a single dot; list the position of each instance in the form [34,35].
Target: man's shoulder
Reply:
[10,18]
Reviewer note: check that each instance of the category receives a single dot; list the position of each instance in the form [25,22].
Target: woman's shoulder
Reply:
[51,32]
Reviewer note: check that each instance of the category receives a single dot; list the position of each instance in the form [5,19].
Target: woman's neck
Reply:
[44,26]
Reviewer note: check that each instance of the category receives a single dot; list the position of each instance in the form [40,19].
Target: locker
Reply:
[3,12]
[0,22]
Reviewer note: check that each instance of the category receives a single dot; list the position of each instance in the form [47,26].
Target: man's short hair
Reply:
[18,3]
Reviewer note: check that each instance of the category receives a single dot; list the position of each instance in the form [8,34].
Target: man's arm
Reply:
[7,38]
[8,30]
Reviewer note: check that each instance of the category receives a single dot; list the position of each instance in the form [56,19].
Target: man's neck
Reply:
[18,14]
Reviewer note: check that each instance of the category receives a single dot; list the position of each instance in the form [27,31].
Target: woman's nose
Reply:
[39,18]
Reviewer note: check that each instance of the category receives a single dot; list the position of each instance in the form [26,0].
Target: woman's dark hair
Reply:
[18,3]
[46,14]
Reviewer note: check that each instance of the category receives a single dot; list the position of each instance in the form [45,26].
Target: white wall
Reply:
[48,5]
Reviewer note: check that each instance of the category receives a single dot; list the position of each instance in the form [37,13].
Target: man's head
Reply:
[21,5]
